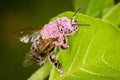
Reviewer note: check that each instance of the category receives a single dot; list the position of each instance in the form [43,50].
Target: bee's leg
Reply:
[56,63]
[64,45]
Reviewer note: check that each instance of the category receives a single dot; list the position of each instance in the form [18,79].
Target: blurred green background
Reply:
[16,15]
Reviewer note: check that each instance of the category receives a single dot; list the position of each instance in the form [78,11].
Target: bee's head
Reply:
[68,26]
[73,25]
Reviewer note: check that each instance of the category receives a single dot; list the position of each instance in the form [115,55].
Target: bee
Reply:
[42,49]
[45,40]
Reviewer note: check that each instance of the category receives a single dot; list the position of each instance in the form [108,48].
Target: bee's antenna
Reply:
[75,14]
[81,24]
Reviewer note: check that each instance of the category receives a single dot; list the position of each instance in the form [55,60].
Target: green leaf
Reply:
[97,8]
[83,4]
[41,73]
[93,54]
[114,15]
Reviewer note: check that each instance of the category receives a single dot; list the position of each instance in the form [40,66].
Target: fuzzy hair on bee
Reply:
[46,40]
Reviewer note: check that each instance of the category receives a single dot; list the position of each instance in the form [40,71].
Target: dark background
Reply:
[16,15]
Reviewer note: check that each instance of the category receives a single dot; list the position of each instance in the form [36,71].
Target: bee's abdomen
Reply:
[38,58]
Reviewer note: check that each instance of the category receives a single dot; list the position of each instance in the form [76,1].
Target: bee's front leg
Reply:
[56,63]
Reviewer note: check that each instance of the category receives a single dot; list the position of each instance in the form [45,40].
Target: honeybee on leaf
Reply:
[46,39]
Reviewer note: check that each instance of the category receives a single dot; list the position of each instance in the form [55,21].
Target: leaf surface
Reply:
[95,8]
[93,54]
[83,4]
[113,15]
[41,73]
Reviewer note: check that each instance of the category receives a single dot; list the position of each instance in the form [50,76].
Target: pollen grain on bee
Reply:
[58,29]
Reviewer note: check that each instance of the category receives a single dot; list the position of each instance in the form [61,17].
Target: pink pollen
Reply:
[58,29]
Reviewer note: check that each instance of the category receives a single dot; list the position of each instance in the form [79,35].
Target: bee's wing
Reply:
[28,61]
[30,37]
[28,34]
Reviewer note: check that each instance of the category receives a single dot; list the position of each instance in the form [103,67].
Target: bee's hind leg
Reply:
[56,63]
